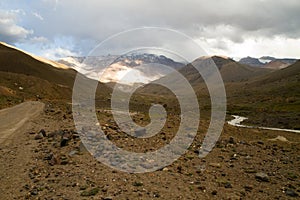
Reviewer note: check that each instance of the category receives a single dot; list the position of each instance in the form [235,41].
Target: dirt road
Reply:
[12,119]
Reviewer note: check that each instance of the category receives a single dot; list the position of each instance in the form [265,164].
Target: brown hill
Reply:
[25,76]
[287,74]
[230,70]
[272,100]
[15,61]
[276,64]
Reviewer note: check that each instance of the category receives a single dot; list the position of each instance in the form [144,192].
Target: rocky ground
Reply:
[46,160]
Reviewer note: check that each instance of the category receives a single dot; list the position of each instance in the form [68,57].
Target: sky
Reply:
[60,28]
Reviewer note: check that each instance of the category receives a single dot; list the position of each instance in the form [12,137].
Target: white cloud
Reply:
[10,31]
[57,53]
[222,25]
[38,16]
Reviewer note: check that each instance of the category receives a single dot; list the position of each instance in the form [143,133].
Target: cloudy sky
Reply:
[60,28]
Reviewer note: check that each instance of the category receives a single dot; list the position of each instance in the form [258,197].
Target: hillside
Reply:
[267,62]
[15,61]
[230,71]
[27,77]
[270,100]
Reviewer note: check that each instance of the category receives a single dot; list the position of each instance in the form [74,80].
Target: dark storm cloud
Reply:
[99,19]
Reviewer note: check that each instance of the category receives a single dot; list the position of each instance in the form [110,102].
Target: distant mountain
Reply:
[284,60]
[125,69]
[230,70]
[268,62]
[254,62]
[276,64]
[291,72]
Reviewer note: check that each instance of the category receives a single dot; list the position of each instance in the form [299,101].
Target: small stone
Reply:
[83,187]
[165,169]
[74,152]
[138,184]
[224,182]
[91,192]
[34,192]
[64,142]
[260,176]
[228,185]
[64,162]
[43,132]
[107,198]
[231,140]
[156,195]
[54,160]
[291,193]
[250,171]
[202,188]
[260,142]
[217,165]
[39,136]
[248,188]
[279,138]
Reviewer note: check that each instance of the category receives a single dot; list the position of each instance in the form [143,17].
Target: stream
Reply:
[238,119]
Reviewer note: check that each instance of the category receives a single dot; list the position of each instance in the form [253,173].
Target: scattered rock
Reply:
[156,195]
[217,165]
[248,188]
[39,136]
[231,140]
[107,198]
[279,138]
[291,193]
[165,169]
[34,192]
[73,153]
[91,192]
[228,185]
[43,132]
[137,184]
[64,162]
[224,182]
[64,141]
[260,142]
[83,187]
[250,171]
[260,176]
[54,160]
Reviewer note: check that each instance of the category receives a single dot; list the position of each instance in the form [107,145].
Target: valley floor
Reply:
[245,164]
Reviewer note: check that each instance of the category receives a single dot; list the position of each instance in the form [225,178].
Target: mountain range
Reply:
[270,95]
[268,62]
[126,69]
